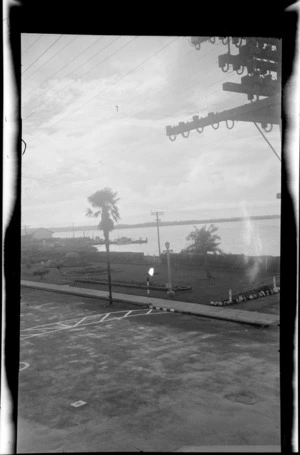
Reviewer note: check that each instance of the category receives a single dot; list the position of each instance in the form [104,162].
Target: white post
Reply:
[230,296]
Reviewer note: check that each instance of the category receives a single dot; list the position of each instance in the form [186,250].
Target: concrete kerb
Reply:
[220,317]
[70,291]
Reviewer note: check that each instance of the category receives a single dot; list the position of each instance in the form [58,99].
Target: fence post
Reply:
[230,296]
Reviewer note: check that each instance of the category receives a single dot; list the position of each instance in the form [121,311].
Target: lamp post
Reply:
[150,273]
[170,291]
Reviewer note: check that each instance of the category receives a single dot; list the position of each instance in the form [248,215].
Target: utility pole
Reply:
[157,225]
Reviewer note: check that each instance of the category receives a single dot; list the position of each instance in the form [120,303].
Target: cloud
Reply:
[78,141]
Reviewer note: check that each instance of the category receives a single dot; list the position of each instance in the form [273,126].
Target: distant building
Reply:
[42,234]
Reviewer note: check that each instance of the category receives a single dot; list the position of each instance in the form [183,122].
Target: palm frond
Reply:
[203,240]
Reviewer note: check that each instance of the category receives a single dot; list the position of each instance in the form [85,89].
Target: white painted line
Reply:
[128,313]
[51,324]
[25,365]
[79,322]
[59,329]
[107,314]
[76,404]
[39,334]
[70,322]
[62,325]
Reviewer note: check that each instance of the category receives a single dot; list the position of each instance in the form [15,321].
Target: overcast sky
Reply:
[94,112]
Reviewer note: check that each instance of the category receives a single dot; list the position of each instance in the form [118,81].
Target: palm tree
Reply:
[204,241]
[105,201]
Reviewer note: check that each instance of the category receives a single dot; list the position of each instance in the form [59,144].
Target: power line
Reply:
[189,53]
[157,92]
[32,44]
[46,50]
[63,67]
[118,80]
[124,45]
[51,58]
[71,82]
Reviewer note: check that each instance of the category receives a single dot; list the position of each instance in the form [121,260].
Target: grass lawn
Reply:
[203,290]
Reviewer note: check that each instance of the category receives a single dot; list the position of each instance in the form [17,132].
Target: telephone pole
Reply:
[157,225]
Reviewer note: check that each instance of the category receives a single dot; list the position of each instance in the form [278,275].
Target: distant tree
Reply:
[204,241]
[105,201]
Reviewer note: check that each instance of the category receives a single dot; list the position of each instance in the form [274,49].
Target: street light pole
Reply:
[170,291]
[150,273]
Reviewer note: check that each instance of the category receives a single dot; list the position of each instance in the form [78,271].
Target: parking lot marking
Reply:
[127,314]
[79,322]
[25,365]
[87,320]
[107,314]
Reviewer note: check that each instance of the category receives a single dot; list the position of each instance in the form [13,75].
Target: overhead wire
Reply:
[64,66]
[118,80]
[125,75]
[96,66]
[72,82]
[192,51]
[157,92]
[177,93]
[190,86]
[51,58]
[43,53]
[32,44]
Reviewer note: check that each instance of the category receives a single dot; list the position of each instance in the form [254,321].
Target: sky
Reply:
[94,112]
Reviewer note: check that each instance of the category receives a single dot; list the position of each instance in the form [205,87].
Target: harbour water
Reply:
[250,237]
